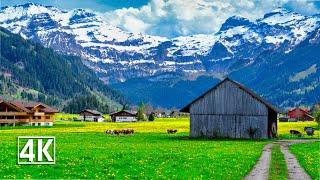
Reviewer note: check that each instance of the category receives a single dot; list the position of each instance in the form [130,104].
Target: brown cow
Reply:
[172,131]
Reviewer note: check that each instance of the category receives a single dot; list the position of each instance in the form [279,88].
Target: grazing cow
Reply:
[110,132]
[127,131]
[118,132]
[295,132]
[172,131]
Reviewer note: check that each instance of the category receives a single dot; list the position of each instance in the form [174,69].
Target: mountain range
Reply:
[277,55]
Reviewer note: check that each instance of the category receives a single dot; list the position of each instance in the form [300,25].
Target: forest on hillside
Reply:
[30,71]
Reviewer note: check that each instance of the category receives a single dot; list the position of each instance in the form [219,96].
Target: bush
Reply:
[151,117]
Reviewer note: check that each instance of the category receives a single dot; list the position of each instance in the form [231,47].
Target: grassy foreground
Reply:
[278,168]
[308,156]
[85,151]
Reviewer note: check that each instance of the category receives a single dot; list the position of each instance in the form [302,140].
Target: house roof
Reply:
[95,112]
[14,106]
[298,108]
[127,111]
[253,94]
[28,106]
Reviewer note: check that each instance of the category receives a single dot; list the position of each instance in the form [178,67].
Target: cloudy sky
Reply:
[172,18]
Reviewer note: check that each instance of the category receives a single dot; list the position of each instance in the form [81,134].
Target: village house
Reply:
[26,113]
[91,115]
[231,110]
[300,114]
[124,116]
[159,113]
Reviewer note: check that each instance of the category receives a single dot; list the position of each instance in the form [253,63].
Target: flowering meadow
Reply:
[84,150]
[308,156]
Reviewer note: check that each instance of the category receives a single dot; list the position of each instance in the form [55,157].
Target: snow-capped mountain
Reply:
[118,56]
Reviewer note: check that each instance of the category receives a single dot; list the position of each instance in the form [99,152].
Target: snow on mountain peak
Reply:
[83,32]
[281,17]
[235,21]
[280,10]
[192,45]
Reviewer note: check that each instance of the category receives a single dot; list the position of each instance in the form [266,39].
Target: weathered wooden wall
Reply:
[228,111]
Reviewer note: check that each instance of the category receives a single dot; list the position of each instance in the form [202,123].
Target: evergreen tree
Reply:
[140,113]
[151,117]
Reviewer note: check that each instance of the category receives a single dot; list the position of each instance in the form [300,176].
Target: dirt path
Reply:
[295,171]
[261,170]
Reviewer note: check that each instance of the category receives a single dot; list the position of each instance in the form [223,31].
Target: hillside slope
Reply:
[30,71]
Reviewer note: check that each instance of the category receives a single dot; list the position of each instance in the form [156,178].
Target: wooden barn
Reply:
[231,110]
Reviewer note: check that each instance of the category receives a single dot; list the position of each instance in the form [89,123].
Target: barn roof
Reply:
[253,94]
[94,112]
[298,108]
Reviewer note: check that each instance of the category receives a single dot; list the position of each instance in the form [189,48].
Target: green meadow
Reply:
[83,150]
[308,156]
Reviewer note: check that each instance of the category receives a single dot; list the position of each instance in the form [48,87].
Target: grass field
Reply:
[85,151]
[308,156]
[278,168]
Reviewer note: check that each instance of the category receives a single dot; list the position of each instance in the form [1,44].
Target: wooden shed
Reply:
[231,110]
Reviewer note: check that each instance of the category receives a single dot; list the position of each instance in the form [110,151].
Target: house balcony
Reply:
[13,114]
[13,120]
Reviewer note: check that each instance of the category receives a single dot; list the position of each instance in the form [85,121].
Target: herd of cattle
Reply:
[131,131]
[118,132]
[309,131]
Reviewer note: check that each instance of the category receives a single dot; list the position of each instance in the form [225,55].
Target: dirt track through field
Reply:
[261,169]
[295,172]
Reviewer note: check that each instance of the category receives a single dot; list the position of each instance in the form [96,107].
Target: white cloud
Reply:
[304,7]
[186,17]
[134,24]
